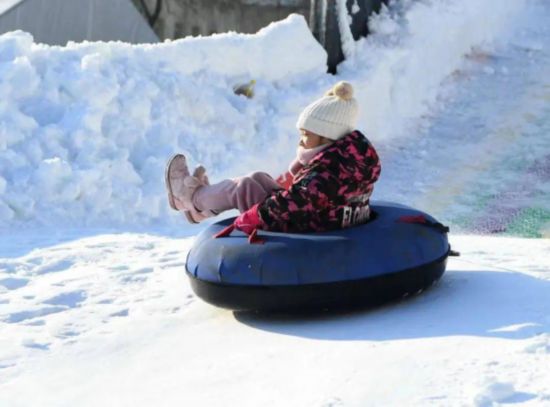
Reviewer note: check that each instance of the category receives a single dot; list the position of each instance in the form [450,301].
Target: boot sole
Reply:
[171,201]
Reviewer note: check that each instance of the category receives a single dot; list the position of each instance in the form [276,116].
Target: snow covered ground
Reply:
[95,308]
[111,320]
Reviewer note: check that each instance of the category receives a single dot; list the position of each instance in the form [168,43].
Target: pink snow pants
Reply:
[237,193]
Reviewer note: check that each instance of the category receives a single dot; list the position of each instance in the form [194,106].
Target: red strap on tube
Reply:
[253,238]
[412,219]
[225,232]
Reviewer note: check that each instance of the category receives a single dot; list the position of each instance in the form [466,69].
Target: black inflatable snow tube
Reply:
[383,260]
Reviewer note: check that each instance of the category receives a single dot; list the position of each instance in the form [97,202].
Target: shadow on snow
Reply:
[493,304]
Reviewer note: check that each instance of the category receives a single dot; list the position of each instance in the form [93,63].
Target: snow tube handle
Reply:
[253,237]
[453,253]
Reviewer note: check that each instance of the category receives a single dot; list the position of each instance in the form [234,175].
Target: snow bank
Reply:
[415,47]
[85,129]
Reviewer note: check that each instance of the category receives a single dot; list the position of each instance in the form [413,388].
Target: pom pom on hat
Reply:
[342,89]
[334,115]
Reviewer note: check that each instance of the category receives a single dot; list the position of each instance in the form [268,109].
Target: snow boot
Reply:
[181,187]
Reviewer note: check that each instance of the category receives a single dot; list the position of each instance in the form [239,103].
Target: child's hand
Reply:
[247,222]
[285,180]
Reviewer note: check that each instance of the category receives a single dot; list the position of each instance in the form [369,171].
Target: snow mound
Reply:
[85,129]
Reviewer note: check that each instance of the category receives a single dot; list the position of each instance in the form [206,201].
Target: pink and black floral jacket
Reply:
[331,192]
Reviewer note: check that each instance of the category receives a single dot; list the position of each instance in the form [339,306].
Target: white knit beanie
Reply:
[334,115]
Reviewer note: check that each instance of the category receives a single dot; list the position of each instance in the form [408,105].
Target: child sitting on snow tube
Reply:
[328,185]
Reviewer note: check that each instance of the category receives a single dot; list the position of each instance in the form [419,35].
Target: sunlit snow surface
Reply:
[93,316]
[111,320]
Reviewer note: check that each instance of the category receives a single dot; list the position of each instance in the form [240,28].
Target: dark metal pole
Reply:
[151,17]
[323,22]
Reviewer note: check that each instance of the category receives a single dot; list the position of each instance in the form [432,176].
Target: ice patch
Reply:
[69,299]
[333,402]
[35,345]
[539,345]
[21,316]
[55,267]
[494,392]
[14,283]
[121,313]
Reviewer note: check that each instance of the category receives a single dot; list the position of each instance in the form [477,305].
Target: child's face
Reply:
[311,140]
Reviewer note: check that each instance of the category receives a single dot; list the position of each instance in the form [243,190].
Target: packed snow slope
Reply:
[453,94]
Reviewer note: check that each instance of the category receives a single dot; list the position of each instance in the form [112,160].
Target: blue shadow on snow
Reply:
[498,304]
